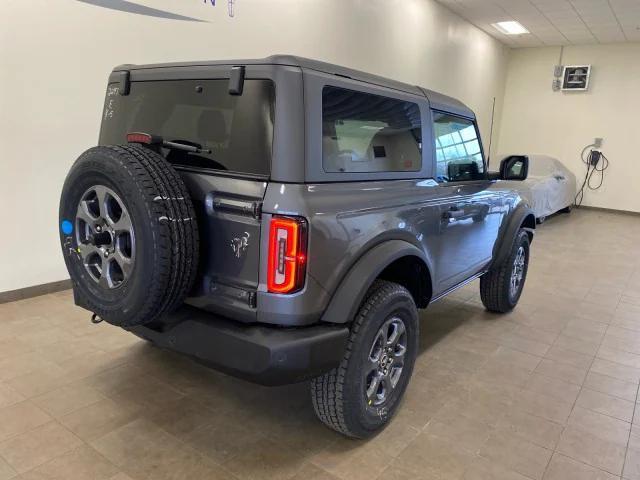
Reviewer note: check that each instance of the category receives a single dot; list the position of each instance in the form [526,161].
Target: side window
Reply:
[458,153]
[362,132]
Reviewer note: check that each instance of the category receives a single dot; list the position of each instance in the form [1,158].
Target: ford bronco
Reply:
[284,219]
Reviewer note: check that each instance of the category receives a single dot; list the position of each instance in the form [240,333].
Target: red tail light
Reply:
[287,254]
[140,137]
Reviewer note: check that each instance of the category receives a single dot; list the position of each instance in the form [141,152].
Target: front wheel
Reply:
[361,395]
[501,287]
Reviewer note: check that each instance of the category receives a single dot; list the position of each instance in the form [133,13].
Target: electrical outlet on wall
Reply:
[557,70]
[557,80]
[597,142]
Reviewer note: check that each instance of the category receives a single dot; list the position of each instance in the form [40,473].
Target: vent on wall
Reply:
[576,77]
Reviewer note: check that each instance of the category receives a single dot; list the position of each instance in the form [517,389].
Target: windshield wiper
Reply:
[148,139]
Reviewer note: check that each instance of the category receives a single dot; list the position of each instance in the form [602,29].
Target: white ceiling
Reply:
[555,22]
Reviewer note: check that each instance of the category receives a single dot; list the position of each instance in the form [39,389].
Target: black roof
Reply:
[437,100]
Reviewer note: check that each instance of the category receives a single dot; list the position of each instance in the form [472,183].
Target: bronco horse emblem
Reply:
[239,244]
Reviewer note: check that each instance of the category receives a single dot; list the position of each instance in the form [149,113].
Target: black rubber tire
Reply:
[165,226]
[566,209]
[495,284]
[339,396]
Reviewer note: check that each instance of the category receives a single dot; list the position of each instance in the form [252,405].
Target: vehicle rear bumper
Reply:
[267,355]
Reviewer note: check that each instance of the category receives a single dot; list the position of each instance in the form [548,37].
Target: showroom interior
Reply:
[545,390]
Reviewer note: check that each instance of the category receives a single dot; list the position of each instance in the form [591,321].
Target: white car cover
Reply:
[549,186]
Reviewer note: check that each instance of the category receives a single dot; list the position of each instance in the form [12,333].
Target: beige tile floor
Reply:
[548,391]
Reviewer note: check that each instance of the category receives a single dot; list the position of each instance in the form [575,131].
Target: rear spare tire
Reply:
[129,234]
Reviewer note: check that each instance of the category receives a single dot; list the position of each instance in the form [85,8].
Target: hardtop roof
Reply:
[437,100]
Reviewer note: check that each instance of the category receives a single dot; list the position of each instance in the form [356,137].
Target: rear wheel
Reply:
[360,396]
[501,287]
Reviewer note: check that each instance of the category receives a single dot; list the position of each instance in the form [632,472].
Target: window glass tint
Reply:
[458,154]
[236,130]
[369,133]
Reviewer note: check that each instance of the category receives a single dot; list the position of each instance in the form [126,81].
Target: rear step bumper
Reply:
[262,354]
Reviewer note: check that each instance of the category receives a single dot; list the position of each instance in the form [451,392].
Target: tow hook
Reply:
[95,319]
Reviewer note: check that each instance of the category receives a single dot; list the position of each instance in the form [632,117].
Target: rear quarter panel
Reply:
[345,220]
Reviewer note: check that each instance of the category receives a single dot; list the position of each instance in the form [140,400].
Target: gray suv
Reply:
[284,219]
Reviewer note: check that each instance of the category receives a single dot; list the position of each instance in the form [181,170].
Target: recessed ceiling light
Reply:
[510,28]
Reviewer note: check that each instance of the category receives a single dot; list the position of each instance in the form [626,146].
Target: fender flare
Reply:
[503,246]
[349,294]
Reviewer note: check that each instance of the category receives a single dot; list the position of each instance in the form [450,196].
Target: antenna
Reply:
[493,111]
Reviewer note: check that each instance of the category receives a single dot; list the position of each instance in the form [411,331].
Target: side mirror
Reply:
[462,171]
[514,167]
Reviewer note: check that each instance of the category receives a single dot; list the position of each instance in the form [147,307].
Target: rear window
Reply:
[362,132]
[237,130]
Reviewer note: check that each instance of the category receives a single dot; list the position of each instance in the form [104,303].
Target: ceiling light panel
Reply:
[510,27]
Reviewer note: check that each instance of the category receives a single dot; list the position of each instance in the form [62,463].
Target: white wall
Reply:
[537,120]
[56,56]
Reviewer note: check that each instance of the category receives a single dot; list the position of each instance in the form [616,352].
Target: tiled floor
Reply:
[548,391]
